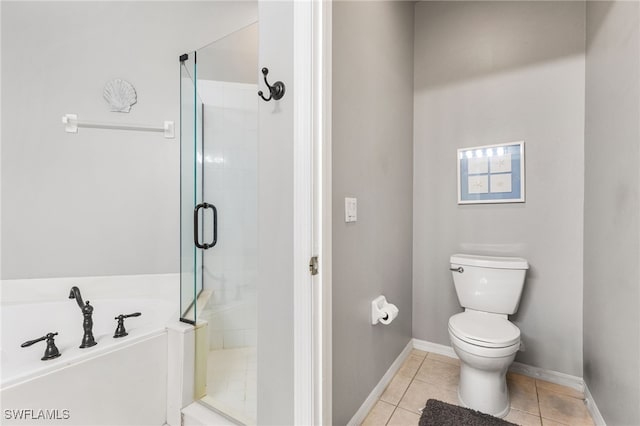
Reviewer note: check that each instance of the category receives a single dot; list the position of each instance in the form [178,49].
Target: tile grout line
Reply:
[535,384]
[396,406]
[535,381]
[540,408]
[391,416]
[414,377]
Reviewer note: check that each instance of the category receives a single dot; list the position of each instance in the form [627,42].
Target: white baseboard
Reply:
[435,348]
[593,408]
[377,391]
[556,377]
[563,379]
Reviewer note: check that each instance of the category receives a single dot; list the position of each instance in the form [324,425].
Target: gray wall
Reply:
[98,202]
[612,203]
[372,151]
[275,220]
[496,72]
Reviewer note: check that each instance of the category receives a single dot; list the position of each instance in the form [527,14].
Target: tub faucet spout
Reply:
[75,294]
[87,324]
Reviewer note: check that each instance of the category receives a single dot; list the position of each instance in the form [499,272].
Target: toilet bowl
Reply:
[484,359]
[489,289]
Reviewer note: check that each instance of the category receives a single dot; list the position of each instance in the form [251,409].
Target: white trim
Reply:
[196,414]
[181,369]
[0,144]
[377,391]
[551,376]
[593,408]
[303,195]
[556,377]
[435,348]
[324,396]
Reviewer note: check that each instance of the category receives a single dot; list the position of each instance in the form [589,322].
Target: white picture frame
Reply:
[491,174]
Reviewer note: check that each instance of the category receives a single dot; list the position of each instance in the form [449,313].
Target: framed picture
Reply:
[491,174]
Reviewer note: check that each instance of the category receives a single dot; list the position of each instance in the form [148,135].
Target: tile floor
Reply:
[427,375]
[231,383]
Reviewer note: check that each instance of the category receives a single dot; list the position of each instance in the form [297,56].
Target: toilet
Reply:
[489,289]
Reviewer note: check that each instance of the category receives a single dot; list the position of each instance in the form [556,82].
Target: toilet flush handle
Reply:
[458,269]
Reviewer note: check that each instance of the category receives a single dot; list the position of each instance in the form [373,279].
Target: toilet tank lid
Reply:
[489,261]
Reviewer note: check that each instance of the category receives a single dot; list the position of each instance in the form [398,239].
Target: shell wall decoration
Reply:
[120,95]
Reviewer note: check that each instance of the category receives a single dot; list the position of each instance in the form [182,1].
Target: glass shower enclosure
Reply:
[219,222]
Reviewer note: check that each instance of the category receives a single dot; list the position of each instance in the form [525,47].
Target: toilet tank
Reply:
[487,283]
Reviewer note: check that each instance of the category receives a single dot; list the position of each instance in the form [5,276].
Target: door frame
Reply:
[312,211]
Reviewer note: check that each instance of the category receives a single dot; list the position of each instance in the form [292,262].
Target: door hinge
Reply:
[313,265]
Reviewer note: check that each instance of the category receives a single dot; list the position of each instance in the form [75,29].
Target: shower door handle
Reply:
[196,231]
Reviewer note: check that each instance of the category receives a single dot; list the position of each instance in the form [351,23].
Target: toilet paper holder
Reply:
[382,311]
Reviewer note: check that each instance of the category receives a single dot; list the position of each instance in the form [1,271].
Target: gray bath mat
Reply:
[438,413]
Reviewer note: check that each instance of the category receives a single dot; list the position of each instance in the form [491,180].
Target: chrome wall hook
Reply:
[276,92]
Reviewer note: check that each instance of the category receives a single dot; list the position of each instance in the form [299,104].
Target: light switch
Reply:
[350,209]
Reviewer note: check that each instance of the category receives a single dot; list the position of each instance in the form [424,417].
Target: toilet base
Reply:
[489,404]
[483,382]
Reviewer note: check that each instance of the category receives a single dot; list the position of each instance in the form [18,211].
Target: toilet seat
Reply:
[484,329]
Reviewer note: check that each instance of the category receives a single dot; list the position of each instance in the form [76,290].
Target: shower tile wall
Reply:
[230,176]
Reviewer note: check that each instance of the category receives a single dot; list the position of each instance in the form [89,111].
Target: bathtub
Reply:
[116,382]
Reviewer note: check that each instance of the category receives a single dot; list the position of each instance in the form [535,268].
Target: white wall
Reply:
[495,72]
[612,206]
[98,202]
[230,163]
[371,160]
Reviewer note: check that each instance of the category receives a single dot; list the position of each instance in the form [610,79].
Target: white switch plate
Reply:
[350,209]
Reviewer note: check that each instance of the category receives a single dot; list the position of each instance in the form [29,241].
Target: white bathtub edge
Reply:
[96,352]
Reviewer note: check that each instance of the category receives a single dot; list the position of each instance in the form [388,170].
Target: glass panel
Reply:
[227,86]
[187,182]
[199,185]
[187,188]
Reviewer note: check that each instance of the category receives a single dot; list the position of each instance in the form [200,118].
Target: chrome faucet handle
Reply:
[120,330]
[51,351]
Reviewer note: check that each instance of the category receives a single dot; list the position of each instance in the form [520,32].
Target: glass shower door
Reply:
[220,216]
